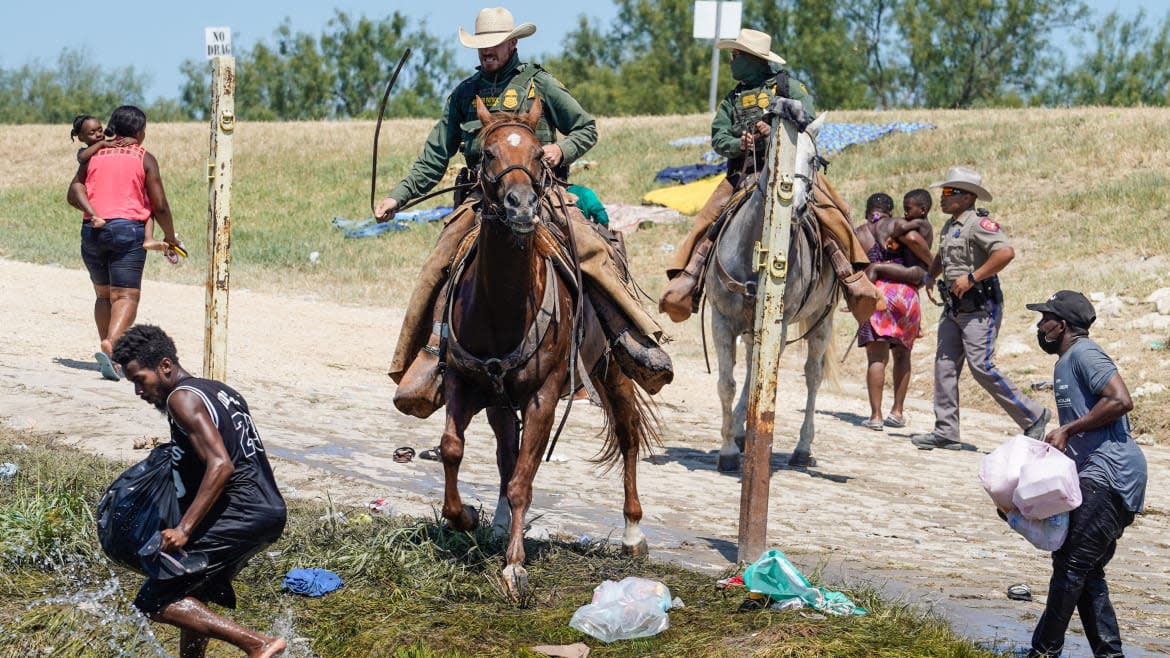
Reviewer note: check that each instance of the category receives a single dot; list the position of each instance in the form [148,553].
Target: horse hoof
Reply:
[728,463]
[466,521]
[516,580]
[641,549]
[801,460]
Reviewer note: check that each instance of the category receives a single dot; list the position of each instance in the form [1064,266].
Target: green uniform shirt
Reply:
[513,88]
[966,243]
[745,105]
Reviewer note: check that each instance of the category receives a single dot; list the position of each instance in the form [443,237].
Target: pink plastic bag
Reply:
[1048,485]
[1000,470]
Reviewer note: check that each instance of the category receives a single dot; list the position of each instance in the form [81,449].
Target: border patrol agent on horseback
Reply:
[973,250]
[739,132]
[505,83]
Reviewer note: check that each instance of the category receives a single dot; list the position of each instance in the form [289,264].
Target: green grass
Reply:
[412,588]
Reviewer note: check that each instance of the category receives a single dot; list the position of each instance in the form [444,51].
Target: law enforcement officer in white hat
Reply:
[973,250]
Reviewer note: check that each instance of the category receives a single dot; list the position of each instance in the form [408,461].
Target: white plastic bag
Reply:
[1000,470]
[1046,534]
[1048,485]
[632,608]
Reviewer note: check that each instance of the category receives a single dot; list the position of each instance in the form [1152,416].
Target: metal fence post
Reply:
[219,234]
[770,258]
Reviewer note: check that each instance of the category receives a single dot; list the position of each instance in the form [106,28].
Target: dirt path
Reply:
[873,509]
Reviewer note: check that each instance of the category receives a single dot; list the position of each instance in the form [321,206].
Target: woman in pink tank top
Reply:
[121,185]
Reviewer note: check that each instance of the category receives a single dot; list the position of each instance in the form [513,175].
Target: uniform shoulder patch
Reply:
[989,225]
[551,78]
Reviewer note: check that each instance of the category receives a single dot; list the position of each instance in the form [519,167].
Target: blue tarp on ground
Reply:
[833,138]
[367,228]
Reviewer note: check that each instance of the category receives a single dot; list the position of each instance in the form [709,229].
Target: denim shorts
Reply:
[113,254]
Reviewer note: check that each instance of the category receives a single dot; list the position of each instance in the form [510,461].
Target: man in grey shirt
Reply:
[1092,402]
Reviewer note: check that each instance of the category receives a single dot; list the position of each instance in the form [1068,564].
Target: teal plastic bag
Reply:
[776,577]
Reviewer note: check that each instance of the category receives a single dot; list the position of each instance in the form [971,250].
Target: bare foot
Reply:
[273,647]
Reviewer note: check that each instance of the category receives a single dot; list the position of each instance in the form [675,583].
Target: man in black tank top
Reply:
[230,505]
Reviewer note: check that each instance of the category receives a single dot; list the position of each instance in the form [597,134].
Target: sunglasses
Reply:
[953,191]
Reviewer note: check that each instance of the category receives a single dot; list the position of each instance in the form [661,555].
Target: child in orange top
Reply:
[88,129]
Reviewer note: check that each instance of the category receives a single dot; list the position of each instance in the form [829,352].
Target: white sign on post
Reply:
[729,16]
[218,41]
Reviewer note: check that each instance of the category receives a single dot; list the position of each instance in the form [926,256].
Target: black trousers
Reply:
[1078,575]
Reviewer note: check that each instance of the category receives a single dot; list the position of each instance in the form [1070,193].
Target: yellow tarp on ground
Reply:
[687,199]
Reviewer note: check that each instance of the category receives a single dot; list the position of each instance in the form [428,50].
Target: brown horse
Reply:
[511,322]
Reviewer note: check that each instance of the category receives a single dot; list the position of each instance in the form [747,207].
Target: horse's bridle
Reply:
[539,182]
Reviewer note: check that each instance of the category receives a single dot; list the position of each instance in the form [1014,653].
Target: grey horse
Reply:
[810,294]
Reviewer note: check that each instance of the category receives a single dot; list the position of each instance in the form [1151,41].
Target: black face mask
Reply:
[1047,344]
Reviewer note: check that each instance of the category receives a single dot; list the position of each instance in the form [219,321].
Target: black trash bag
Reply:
[140,503]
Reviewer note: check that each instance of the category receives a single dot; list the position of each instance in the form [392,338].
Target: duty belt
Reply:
[978,298]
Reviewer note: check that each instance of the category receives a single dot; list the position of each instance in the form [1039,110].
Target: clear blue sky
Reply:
[155,36]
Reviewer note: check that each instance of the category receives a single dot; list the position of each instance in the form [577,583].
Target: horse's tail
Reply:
[635,413]
[831,370]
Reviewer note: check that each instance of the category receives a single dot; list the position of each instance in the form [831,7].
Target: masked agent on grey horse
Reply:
[505,83]
[739,132]
[972,251]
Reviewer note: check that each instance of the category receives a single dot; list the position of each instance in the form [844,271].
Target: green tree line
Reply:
[853,54]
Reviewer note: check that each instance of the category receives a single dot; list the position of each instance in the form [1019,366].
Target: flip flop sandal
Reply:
[894,421]
[106,366]
[404,454]
[430,454]
[1019,592]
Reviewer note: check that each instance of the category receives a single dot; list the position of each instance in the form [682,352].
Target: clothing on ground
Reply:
[311,582]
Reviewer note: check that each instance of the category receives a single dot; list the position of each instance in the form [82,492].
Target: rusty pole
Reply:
[219,233]
[770,258]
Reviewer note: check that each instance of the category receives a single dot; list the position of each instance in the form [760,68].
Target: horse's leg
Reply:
[538,420]
[628,426]
[731,433]
[460,411]
[739,421]
[814,372]
[503,423]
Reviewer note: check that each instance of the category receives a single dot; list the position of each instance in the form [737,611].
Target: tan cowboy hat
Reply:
[494,26]
[964,179]
[752,42]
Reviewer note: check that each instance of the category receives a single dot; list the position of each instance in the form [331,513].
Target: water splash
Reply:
[283,626]
[103,614]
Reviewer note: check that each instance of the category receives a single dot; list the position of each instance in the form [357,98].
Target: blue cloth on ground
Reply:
[688,173]
[368,228]
[429,215]
[371,230]
[836,137]
[832,138]
[311,582]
